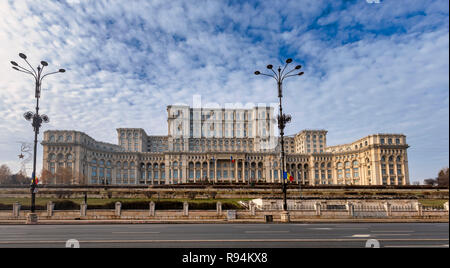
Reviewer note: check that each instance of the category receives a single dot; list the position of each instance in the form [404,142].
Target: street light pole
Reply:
[283,119]
[36,118]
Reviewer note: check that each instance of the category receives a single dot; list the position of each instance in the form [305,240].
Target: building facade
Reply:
[225,146]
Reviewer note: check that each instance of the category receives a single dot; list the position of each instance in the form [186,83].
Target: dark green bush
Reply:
[5,207]
[66,205]
[168,205]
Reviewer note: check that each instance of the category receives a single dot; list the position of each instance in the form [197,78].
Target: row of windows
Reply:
[60,138]
[391,158]
[389,141]
[60,157]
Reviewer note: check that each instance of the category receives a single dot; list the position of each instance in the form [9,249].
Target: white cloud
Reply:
[383,69]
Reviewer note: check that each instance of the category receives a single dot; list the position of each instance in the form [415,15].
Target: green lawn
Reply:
[433,202]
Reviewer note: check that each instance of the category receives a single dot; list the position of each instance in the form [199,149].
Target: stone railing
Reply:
[297,211]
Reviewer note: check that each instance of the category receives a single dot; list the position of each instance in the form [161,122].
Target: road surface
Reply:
[228,235]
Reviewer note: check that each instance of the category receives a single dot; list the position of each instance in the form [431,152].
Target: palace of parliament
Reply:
[225,146]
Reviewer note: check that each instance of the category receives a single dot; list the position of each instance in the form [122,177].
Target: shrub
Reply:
[66,205]
[5,207]
[168,205]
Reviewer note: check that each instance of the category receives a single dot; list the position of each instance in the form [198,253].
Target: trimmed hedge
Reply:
[66,205]
[133,205]
[6,207]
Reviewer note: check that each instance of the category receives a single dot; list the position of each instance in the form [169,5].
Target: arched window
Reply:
[355,163]
[69,157]
[94,161]
[52,138]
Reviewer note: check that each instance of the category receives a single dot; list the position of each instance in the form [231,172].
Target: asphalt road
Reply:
[228,235]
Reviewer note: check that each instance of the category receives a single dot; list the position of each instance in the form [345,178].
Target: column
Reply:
[208,170]
[185,169]
[195,172]
[236,171]
[243,170]
[215,171]
[145,174]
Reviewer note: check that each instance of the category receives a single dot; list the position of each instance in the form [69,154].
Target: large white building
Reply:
[225,146]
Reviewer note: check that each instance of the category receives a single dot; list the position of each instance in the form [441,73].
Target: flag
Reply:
[288,176]
[232,160]
[36,181]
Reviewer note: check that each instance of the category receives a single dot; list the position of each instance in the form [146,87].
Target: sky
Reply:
[370,67]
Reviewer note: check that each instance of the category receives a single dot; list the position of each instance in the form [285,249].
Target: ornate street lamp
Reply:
[283,119]
[35,118]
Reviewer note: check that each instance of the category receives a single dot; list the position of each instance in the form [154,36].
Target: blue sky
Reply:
[369,67]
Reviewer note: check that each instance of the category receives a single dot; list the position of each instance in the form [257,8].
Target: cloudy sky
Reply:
[369,67]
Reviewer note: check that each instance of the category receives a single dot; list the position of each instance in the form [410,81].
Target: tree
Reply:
[80,178]
[64,175]
[7,178]
[47,177]
[5,174]
[442,179]
[430,182]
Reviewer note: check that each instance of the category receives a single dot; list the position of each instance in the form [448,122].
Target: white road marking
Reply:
[266,232]
[392,234]
[361,235]
[392,231]
[417,246]
[136,232]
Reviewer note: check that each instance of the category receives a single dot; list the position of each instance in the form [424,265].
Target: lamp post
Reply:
[283,119]
[35,118]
